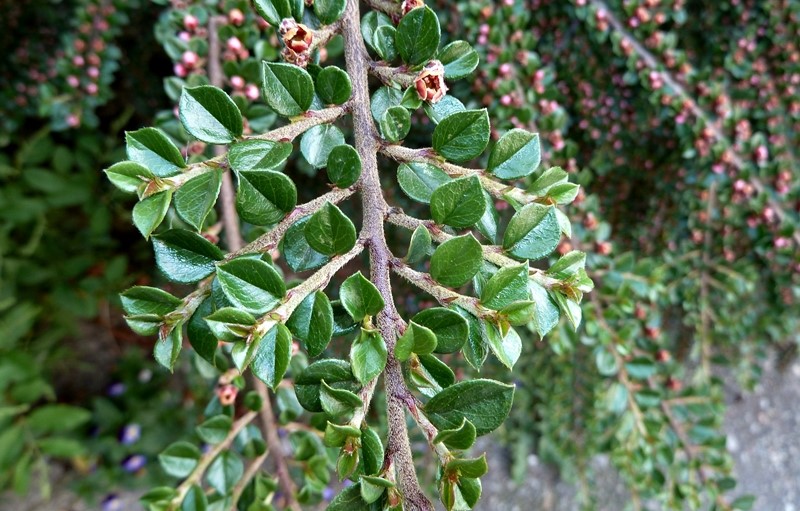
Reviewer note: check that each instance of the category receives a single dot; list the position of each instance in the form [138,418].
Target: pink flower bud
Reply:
[251,92]
[93,72]
[234,44]
[190,23]
[78,61]
[236,17]
[184,36]
[179,70]
[73,81]
[237,82]
[189,59]
[92,89]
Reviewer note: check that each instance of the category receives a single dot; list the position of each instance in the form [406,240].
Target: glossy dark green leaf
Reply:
[470,490]
[209,114]
[338,403]
[419,180]
[370,23]
[196,198]
[489,222]
[517,154]
[273,355]
[418,35]
[546,315]
[230,324]
[519,313]
[343,323]
[442,109]
[128,176]
[330,232]
[475,349]
[450,328]
[485,403]
[438,370]
[336,373]
[329,11]
[383,99]
[273,10]
[395,123]
[312,323]
[150,212]
[456,261]
[264,197]
[360,297]
[416,339]
[258,155]
[318,142]
[140,300]
[297,252]
[533,232]
[472,468]
[195,500]
[333,86]
[215,429]
[384,42]
[344,166]
[507,348]
[509,284]
[251,284]
[152,149]
[288,89]
[201,337]
[224,472]
[336,435]
[179,459]
[372,488]
[458,203]
[185,256]
[568,264]
[459,59]
[372,451]
[350,499]
[460,438]
[462,136]
[368,355]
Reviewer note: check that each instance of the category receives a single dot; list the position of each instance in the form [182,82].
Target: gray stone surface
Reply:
[762,428]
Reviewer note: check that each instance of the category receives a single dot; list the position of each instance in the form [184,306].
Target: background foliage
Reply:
[682,137]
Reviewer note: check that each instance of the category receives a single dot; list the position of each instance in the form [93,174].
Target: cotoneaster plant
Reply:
[323,269]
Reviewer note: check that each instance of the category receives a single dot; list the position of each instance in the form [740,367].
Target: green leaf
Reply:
[350,499]
[230,324]
[515,155]
[470,490]
[336,373]
[472,468]
[368,356]
[420,180]
[475,350]
[383,99]
[56,419]
[435,371]
[450,328]
[551,177]
[533,232]
[202,339]
[196,198]
[288,89]
[384,42]
[462,136]
[336,435]
[195,500]
[488,224]
[418,35]
[148,213]
[343,323]
[264,197]
[318,142]
[456,261]
[568,265]
[506,348]
[338,403]
[442,109]
[140,300]
[370,23]
[167,349]
[395,123]
[273,10]
[298,253]
[333,85]
[210,115]
[509,284]
[372,450]
[179,459]
[330,232]
[372,488]
[152,149]
[420,245]
[215,429]
[128,176]
[360,297]
[328,11]
[251,284]
[61,447]
[458,203]
[485,403]
[416,339]
[258,155]
[411,99]
[546,314]
[641,368]
[184,256]
[224,472]
[519,313]
[563,193]
[273,355]
[459,59]
[460,438]
[312,323]
[344,166]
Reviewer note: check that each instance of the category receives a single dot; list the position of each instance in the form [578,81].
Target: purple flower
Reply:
[134,463]
[347,483]
[116,389]
[112,503]
[328,493]
[130,434]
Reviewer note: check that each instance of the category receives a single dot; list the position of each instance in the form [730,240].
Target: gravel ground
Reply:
[762,429]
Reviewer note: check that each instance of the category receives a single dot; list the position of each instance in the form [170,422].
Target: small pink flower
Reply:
[430,83]
[73,81]
[78,60]
[237,82]
[251,92]
[190,23]
[234,44]
[93,72]
[236,17]
[179,70]
[409,5]
[92,89]
[189,59]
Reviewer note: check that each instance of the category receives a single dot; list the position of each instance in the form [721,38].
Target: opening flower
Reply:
[430,82]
